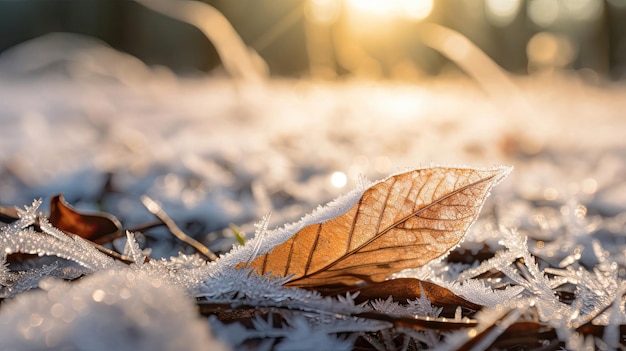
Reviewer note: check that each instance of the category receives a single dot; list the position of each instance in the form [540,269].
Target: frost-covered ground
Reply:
[104,129]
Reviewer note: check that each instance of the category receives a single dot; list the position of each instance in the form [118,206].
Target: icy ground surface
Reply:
[104,129]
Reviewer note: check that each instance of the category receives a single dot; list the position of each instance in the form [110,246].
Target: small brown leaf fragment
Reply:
[420,323]
[97,227]
[403,289]
[521,335]
[8,214]
[404,221]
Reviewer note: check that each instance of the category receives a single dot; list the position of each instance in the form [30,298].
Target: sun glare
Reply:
[410,9]
[338,179]
[417,9]
[323,11]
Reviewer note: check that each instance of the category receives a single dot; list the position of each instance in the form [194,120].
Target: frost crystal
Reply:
[478,292]
[140,312]
[132,249]
[5,274]
[16,237]
[513,285]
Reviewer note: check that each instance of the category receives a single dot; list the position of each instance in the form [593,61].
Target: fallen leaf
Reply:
[404,221]
[96,227]
[403,289]
[8,214]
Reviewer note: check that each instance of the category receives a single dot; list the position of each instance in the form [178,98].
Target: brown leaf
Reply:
[8,214]
[94,227]
[404,221]
[403,289]
[420,323]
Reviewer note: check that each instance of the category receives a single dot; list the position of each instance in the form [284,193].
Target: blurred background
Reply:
[224,111]
[328,39]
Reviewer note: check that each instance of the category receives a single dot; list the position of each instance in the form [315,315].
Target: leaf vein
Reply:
[312,249]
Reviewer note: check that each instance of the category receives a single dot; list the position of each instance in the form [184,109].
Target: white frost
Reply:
[118,309]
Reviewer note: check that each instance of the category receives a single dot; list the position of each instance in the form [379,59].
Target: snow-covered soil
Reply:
[103,129]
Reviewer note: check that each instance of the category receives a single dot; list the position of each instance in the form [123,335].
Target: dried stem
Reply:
[156,210]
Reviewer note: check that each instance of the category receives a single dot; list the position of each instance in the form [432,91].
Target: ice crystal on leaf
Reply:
[27,280]
[479,292]
[245,287]
[420,306]
[525,286]
[17,237]
[132,250]
[297,333]
[6,276]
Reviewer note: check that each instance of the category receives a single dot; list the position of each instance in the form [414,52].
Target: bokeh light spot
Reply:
[580,212]
[98,295]
[382,164]
[589,186]
[502,12]
[410,9]
[543,12]
[338,179]
[417,9]
[549,50]
[57,310]
[584,10]
[550,194]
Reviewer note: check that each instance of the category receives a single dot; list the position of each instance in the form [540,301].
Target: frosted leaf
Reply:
[29,280]
[75,249]
[140,312]
[17,237]
[47,228]
[27,217]
[265,240]
[5,274]
[242,286]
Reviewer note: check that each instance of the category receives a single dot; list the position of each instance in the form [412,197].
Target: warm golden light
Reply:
[502,12]
[371,6]
[323,11]
[417,9]
[543,12]
[584,10]
[549,50]
[410,9]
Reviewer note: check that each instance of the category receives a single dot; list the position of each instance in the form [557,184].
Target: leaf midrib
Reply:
[387,229]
